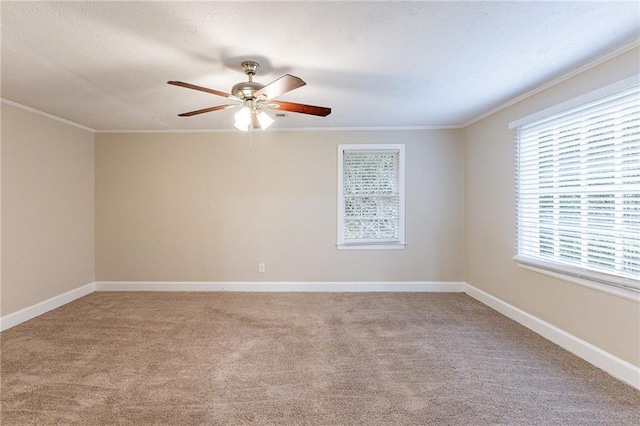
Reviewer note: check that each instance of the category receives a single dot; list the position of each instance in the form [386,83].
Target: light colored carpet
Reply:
[296,358]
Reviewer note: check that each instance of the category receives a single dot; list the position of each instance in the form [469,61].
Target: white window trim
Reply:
[378,245]
[586,279]
[617,286]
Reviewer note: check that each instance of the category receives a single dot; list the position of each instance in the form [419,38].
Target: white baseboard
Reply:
[270,286]
[18,317]
[613,365]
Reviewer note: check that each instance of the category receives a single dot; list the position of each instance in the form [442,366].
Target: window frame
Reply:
[611,283]
[400,243]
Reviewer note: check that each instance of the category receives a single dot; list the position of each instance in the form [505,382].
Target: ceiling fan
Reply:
[254,97]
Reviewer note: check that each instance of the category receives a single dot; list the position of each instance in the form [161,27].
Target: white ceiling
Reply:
[105,65]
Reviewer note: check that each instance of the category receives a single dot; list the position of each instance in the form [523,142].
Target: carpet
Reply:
[145,358]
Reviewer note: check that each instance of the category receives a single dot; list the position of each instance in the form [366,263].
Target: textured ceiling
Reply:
[105,65]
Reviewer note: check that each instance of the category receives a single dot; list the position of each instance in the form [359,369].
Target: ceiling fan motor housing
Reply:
[246,90]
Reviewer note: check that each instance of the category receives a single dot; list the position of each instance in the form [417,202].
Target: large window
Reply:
[371,196]
[578,188]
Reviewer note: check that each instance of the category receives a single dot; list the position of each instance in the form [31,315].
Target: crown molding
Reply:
[301,129]
[46,114]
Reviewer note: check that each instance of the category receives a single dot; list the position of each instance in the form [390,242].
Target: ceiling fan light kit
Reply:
[254,97]
[243,118]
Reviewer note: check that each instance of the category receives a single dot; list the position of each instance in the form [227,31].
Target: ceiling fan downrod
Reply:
[247,89]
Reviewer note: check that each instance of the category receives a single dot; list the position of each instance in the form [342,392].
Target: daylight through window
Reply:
[371,196]
[578,190]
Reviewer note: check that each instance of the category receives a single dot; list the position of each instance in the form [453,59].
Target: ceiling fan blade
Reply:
[300,108]
[284,84]
[202,89]
[202,111]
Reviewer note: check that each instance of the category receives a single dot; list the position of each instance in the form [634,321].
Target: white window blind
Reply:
[578,191]
[370,195]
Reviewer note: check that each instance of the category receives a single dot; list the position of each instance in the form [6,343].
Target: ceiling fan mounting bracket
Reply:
[250,68]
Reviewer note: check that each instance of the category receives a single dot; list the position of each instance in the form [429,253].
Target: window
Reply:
[578,188]
[371,197]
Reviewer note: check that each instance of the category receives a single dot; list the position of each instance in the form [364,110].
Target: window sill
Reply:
[394,246]
[531,265]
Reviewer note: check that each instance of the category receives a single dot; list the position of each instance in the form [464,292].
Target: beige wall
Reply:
[607,321]
[210,207]
[1,111]
[47,208]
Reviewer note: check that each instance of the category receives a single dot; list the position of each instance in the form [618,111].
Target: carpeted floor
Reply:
[295,359]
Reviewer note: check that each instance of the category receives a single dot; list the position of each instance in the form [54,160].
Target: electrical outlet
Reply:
[261,267]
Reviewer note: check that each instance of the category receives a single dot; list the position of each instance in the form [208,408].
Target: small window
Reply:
[371,196]
[578,189]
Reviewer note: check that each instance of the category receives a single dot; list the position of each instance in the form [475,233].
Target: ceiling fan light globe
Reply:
[243,116]
[265,120]
[244,127]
